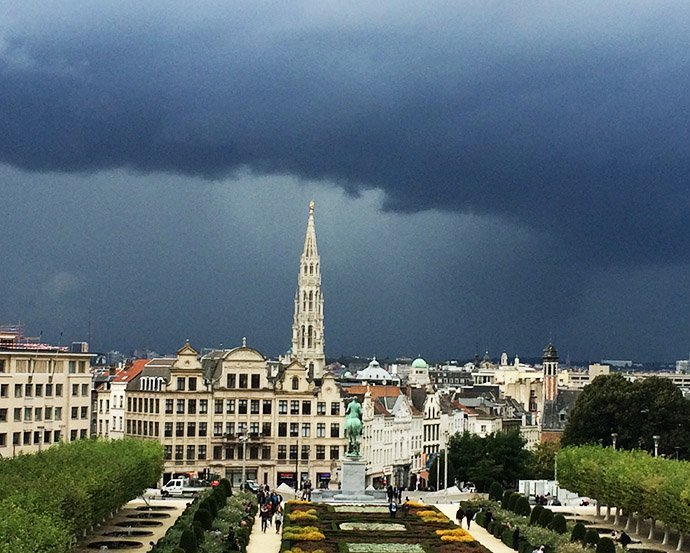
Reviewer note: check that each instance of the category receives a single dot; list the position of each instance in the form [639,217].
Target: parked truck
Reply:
[184,487]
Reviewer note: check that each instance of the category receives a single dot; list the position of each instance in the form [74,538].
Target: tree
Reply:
[542,460]
[635,411]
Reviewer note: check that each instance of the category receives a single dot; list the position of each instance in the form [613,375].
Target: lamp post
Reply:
[656,439]
[614,437]
[445,462]
[243,437]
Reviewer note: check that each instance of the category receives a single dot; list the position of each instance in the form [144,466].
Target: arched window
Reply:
[304,338]
[311,301]
[295,383]
[304,301]
[310,337]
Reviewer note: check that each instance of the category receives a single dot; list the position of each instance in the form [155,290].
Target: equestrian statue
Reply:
[353,427]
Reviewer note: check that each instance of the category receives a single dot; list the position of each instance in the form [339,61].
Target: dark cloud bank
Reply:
[570,121]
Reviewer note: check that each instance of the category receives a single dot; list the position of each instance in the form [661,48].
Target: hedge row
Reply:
[52,496]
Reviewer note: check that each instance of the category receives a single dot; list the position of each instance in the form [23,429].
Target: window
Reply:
[17,414]
[2,365]
[293,452]
[75,389]
[294,407]
[218,406]
[232,381]
[306,429]
[3,415]
[27,437]
[3,436]
[256,381]
[49,416]
[84,389]
[266,429]
[167,430]
[217,452]
[335,452]
[306,407]
[168,406]
[305,452]
[267,406]
[321,430]
[39,390]
[295,383]
[28,390]
[72,367]
[282,452]
[17,390]
[56,434]
[178,452]
[202,452]
[217,428]
[38,414]
[294,430]
[243,381]
[191,429]
[335,430]
[242,406]
[4,390]
[229,452]
[180,407]
[203,429]
[49,390]
[282,429]
[27,413]
[203,406]
[335,408]
[84,412]
[179,429]
[58,416]
[230,406]
[16,438]
[58,390]
[191,406]
[266,452]
[320,452]
[282,407]
[180,384]
[168,452]
[230,428]
[192,384]
[254,452]
[254,428]
[254,407]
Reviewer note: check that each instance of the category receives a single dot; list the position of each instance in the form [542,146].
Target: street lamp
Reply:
[243,437]
[656,439]
[445,462]
[614,437]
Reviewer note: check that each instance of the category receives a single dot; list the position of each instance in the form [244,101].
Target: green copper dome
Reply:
[419,363]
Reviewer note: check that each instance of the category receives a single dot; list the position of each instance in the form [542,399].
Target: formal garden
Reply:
[418,528]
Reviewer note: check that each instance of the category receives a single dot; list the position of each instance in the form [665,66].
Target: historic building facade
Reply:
[45,398]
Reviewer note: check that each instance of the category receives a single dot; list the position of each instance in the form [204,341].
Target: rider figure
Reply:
[353,425]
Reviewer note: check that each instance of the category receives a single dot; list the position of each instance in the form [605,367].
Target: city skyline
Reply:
[487,177]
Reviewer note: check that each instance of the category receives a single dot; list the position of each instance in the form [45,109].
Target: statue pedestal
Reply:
[352,478]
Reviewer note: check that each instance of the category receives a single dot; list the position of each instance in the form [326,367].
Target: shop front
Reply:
[323,479]
[288,478]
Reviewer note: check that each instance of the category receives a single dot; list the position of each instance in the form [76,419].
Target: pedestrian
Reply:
[516,538]
[469,515]
[625,540]
[389,493]
[392,508]
[459,515]
[279,519]
[405,507]
[489,518]
[265,515]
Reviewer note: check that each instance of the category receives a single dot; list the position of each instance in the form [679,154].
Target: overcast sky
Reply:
[487,175]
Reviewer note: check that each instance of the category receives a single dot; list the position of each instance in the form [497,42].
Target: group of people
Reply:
[270,508]
[469,515]
[621,537]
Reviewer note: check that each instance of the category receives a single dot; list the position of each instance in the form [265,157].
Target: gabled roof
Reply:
[375,391]
[128,373]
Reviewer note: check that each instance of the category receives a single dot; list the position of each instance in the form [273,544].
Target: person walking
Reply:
[459,515]
[279,518]
[392,508]
[469,515]
[265,516]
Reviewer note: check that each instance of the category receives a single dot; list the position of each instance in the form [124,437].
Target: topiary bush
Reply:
[606,545]
[495,491]
[199,531]
[559,524]
[225,484]
[498,530]
[203,517]
[578,533]
[522,507]
[545,518]
[188,541]
[591,537]
[512,501]
[505,498]
[481,519]
[536,513]
[210,505]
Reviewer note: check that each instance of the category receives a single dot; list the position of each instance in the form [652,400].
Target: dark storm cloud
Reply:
[572,120]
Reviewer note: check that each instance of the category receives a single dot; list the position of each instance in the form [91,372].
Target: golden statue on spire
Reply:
[311,207]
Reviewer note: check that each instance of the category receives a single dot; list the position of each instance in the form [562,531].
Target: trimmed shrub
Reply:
[490,526]
[507,536]
[225,484]
[512,501]
[606,545]
[210,505]
[522,507]
[545,518]
[505,498]
[188,541]
[178,550]
[591,537]
[498,530]
[536,513]
[481,519]
[495,491]
[199,531]
[578,533]
[558,524]
[203,517]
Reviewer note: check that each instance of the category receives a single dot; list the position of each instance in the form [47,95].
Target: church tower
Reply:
[307,323]
[550,364]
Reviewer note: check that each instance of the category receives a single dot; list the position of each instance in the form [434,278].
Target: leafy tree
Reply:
[635,411]
[542,460]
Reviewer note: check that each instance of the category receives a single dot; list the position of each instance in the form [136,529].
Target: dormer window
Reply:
[295,383]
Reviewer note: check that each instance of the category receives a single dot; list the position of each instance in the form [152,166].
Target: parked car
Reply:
[251,486]
[183,486]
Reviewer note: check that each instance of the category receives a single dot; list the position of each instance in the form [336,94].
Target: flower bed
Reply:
[371,529]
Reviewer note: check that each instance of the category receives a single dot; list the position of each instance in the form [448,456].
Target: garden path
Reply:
[482,536]
[263,542]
